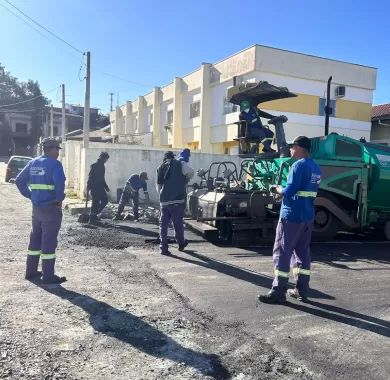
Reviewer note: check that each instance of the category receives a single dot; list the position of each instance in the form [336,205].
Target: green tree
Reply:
[12,93]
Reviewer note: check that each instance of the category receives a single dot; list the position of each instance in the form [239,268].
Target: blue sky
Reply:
[149,42]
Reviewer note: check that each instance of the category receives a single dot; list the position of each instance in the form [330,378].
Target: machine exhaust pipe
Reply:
[327,108]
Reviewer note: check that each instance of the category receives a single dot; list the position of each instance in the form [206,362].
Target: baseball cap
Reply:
[302,141]
[50,142]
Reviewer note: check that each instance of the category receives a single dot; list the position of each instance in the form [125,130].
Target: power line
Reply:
[22,111]
[124,79]
[44,28]
[23,20]
[28,100]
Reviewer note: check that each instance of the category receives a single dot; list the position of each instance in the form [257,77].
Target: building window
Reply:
[55,131]
[229,107]
[195,109]
[150,119]
[332,104]
[170,117]
[21,128]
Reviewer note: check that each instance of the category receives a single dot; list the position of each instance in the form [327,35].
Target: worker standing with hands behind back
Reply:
[43,182]
[293,233]
[172,178]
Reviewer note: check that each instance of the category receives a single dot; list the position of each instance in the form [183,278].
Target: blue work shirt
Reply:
[42,181]
[136,183]
[251,117]
[302,186]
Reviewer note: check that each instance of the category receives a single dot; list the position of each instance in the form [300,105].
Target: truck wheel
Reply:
[326,225]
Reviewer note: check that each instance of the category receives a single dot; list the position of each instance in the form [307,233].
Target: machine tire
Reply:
[387,230]
[225,233]
[326,225]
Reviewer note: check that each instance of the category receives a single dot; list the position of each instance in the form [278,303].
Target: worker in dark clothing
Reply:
[172,178]
[255,127]
[43,182]
[131,191]
[98,187]
[293,233]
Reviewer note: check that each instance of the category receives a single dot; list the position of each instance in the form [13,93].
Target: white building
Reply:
[192,111]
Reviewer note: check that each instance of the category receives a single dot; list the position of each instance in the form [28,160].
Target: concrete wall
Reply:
[124,161]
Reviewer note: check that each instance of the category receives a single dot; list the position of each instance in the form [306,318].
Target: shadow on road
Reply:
[339,256]
[132,330]
[238,272]
[348,317]
[318,309]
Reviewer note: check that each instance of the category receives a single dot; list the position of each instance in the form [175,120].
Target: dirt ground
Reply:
[115,317]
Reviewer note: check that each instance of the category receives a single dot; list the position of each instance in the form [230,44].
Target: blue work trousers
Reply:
[175,213]
[292,246]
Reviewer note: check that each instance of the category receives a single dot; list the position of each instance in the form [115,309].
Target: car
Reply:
[15,166]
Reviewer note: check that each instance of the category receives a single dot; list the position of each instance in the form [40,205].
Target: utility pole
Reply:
[111,95]
[51,121]
[87,102]
[63,120]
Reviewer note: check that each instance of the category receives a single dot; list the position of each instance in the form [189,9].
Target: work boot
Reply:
[54,280]
[294,293]
[182,246]
[32,263]
[272,298]
[33,276]
[165,253]
[48,276]
[117,217]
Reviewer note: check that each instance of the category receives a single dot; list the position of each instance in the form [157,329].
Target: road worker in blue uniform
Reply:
[43,182]
[98,186]
[293,233]
[255,128]
[131,191]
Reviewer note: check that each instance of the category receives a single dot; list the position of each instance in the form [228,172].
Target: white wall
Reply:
[126,160]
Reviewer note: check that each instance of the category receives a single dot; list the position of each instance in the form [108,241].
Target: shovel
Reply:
[84,217]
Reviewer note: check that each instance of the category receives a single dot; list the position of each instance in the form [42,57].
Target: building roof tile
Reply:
[381,110]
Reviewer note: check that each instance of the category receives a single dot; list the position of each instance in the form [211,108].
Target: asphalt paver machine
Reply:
[234,204]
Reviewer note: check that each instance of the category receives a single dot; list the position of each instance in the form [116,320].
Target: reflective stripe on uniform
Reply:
[279,273]
[307,194]
[306,272]
[48,256]
[41,186]
[267,139]
[33,253]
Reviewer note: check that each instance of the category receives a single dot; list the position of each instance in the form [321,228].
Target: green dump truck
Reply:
[235,204]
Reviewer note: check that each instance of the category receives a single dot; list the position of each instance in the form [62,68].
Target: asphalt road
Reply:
[342,333]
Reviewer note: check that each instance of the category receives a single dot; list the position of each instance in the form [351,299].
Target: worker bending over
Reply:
[131,191]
